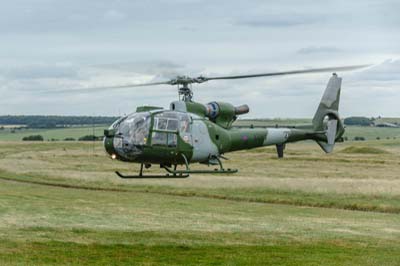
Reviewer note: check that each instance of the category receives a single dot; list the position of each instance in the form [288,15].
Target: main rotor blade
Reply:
[138,85]
[97,89]
[293,72]
[184,80]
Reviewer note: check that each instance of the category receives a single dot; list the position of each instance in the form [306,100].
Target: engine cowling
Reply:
[225,114]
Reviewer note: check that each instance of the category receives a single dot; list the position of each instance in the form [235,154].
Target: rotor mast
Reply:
[185,93]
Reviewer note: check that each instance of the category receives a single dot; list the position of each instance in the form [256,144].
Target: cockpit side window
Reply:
[172,124]
[134,128]
[165,123]
[160,123]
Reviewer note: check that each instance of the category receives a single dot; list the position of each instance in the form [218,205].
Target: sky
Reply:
[48,46]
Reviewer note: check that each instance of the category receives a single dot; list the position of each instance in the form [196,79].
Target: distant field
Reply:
[372,133]
[388,120]
[48,134]
[62,204]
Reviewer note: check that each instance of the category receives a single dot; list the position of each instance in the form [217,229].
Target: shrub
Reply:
[33,138]
[358,138]
[89,138]
[363,150]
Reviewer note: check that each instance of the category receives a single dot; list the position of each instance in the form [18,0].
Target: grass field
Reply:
[61,204]
[48,134]
[372,133]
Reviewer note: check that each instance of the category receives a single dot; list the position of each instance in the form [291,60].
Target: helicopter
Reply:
[190,132]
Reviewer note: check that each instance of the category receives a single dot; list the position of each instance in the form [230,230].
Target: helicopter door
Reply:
[168,126]
[165,132]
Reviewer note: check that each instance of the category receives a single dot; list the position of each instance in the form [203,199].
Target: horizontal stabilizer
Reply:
[328,148]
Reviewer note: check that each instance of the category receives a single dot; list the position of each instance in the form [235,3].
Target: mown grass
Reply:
[355,178]
[358,202]
[60,253]
[59,226]
[68,208]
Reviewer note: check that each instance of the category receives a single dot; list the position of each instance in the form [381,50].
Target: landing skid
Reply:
[149,176]
[174,173]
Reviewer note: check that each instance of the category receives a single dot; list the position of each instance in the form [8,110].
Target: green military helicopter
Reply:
[190,132]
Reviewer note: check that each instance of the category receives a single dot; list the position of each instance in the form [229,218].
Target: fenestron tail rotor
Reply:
[183,82]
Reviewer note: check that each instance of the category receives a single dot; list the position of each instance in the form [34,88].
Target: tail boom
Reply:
[326,127]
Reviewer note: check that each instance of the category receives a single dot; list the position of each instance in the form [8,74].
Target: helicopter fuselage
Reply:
[190,131]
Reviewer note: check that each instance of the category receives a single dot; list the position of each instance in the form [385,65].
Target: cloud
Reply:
[318,50]
[388,71]
[161,68]
[114,15]
[188,29]
[85,82]
[282,20]
[74,44]
[39,71]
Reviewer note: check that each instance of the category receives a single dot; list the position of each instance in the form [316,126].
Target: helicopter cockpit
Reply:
[134,130]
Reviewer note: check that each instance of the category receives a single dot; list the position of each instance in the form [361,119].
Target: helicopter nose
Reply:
[109,135]
[109,147]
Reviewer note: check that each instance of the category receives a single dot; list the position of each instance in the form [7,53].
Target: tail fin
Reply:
[327,116]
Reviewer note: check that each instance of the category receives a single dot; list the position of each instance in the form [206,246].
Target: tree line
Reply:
[53,121]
